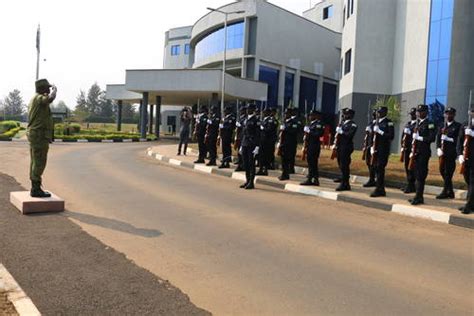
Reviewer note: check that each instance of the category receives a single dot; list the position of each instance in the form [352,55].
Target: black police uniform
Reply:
[268,137]
[427,130]
[344,152]
[226,130]
[468,168]
[288,143]
[408,131]
[238,140]
[293,157]
[212,134]
[316,130]
[382,152]
[201,127]
[449,146]
[250,140]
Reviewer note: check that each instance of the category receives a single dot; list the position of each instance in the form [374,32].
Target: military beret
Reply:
[412,111]
[42,83]
[251,106]
[450,110]
[422,108]
[382,109]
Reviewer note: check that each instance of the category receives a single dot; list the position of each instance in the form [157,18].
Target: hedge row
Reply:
[67,129]
[5,126]
[10,133]
[99,138]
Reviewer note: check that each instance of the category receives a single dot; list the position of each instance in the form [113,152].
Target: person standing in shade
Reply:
[200,134]
[250,146]
[345,132]
[268,139]
[313,133]
[40,132]
[212,132]
[238,137]
[422,138]
[466,145]
[226,130]
[406,145]
[446,143]
[368,157]
[288,142]
[383,134]
[186,118]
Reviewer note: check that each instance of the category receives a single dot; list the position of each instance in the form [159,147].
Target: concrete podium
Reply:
[30,205]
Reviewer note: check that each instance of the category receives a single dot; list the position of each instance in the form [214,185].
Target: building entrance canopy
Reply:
[185,87]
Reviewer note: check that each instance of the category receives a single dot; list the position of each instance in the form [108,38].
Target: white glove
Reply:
[209,121]
[469,132]
[261,127]
[238,124]
[407,131]
[378,130]
[278,145]
[255,151]
[447,139]
[461,159]
[306,129]
[440,152]
[221,125]
[372,150]
[282,127]
[339,130]
[417,137]
[241,150]
[368,129]
[333,147]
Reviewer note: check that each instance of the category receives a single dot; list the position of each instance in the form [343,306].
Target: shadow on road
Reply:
[113,224]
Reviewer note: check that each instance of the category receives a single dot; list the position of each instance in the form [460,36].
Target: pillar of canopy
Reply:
[117,92]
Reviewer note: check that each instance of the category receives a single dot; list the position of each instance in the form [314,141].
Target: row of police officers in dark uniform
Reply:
[257,136]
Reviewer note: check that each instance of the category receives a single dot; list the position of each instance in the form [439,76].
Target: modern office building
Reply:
[274,63]
[328,13]
[419,51]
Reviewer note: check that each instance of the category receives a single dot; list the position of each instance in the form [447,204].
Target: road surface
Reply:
[263,252]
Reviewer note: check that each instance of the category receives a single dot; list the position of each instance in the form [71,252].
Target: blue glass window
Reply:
[289,88]
[329,98]
[328,12]
[213,43]
[175,49]
[437,77]
[308,94]
[186,49]
[270,76]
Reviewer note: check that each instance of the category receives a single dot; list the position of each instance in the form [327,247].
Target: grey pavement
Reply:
[265,252]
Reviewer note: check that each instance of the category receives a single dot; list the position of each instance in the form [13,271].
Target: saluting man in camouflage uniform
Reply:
[40,132]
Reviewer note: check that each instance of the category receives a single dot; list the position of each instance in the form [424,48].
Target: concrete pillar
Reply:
[296,89]
[158,116]
[150,124]
[319,96]
[281,87]
[144,115]
[140,110]
[119,115]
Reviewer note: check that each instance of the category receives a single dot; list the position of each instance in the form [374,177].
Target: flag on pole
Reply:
[38,38]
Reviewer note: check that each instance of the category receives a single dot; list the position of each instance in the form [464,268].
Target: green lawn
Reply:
[109,127]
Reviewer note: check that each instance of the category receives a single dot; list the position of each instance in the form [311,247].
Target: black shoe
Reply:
[211,163]
[178,154]
[416,201]
[250,186]
[337,180]
[284,177]
[442,196]
[244,185]
[316,182]
[466,210]
[307,182]
[262,173]
[224,166]
[378,193]
[200,161]
[38,193]
[409,189]
[343,187]
[369,184]
[239,169]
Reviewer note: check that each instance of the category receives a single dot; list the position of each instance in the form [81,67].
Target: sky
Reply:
[87,41]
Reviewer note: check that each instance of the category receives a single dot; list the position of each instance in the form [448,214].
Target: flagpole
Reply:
[38,35]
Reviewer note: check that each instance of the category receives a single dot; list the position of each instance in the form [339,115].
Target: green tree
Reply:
[94,99]
[106,107]
[394,107]
[13,103]
[128,111]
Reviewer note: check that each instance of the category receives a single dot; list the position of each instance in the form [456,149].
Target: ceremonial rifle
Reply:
[414,147]
[337,139]
[443,132]
[467,138]
[367,133]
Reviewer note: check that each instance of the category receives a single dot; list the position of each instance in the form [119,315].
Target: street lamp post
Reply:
[226,15]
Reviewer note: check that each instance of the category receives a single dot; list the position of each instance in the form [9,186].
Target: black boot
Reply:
[224,165]
[410,188]
[37,192]
[316,182]
[417,201]
[250,185]
[337,180]
[262,172]
[344,186]
[212,162]
[244,185]
[307,182]
[185,149]
[284,177]
[444,195]
[200,161]
[378,193]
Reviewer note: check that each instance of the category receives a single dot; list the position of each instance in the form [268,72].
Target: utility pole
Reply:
[38,45]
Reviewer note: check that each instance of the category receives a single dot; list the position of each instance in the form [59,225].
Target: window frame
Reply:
[175,50]
[348,61]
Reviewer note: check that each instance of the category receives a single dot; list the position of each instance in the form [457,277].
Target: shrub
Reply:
[8,125]
[10,133]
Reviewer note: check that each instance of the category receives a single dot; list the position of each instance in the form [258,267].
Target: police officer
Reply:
[268,138]
[226,128]
[200,133]
[274,115]
[313,132]
[288,142]
[383,133]
[466,145]
[250,146]
[406,145]
[212,132]
[345,133]
[368,156]
[294,118]
[446,143]
[40,131]
[424,135]
[238,137]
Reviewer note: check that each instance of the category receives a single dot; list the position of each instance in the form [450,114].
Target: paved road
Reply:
[263,252]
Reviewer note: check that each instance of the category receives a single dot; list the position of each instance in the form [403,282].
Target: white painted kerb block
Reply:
[436,216]
[28,205]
